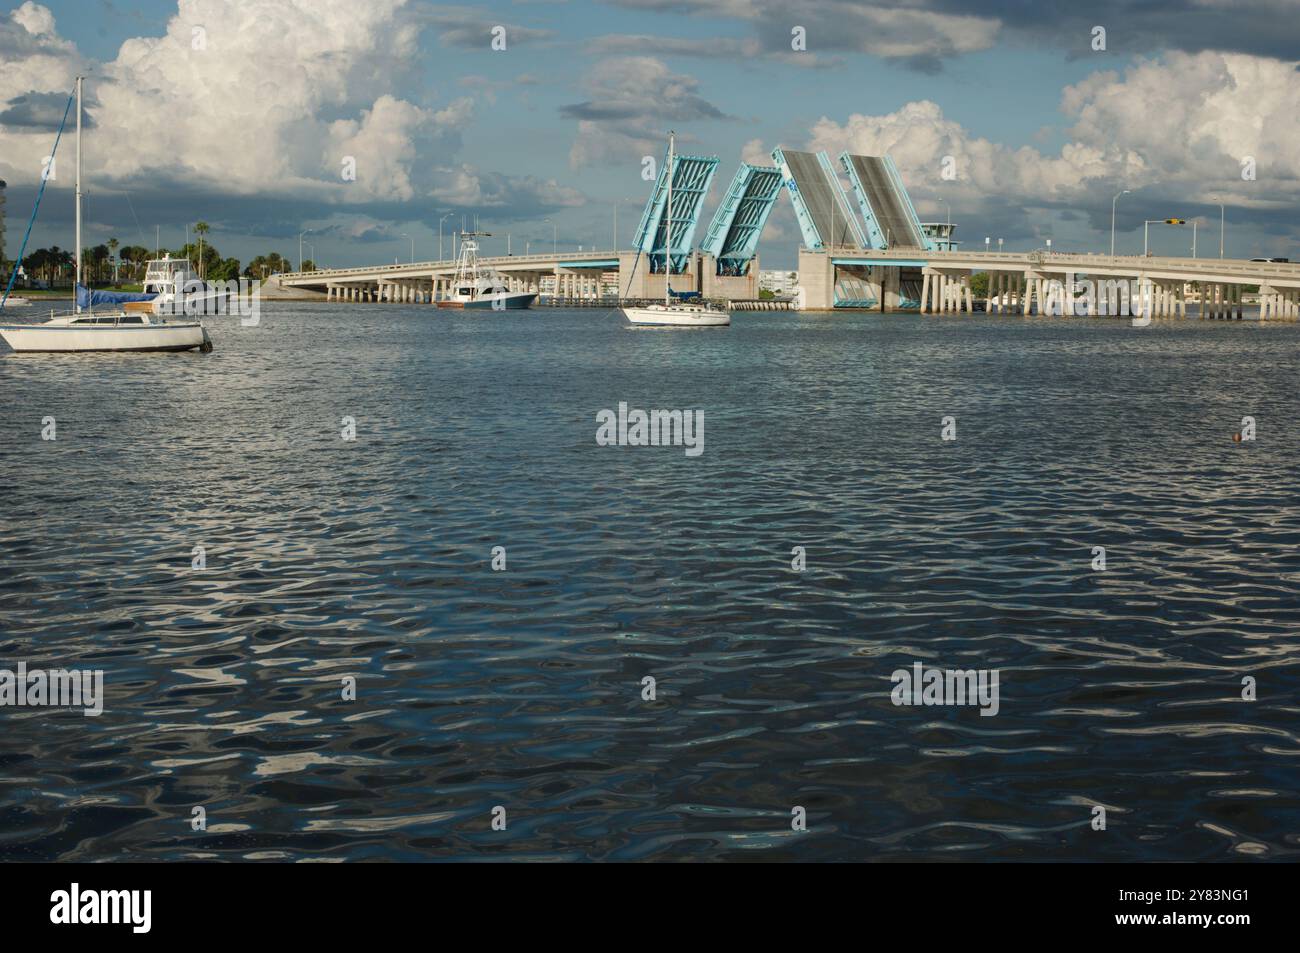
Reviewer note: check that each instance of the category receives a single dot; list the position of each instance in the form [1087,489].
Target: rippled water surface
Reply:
[371,558]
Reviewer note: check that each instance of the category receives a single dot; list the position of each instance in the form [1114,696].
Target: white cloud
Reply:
[252,97]
[1176,127]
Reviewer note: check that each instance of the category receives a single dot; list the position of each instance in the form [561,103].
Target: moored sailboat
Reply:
[114,330]
[679,309]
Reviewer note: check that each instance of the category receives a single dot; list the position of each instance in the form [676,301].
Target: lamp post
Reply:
[986,243]
[553,234]
[1194,238]
[1220,229]
[440,221]
[1112,219]
[300,234]
[616,204]
[412,241]
[1146,229]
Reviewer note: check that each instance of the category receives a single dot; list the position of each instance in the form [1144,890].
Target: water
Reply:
[371,558]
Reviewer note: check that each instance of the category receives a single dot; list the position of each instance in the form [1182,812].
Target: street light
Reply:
[1220,229]
[300,234]
[616,204]
[440,221]
[553,233]
[986,243]
[412,240]
[999,245]
[1112,219]
[1146,229]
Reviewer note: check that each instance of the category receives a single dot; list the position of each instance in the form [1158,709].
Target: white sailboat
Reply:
[680,313]
[112,330]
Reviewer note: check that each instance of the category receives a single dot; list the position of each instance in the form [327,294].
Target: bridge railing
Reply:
[448,264]
[1238,266]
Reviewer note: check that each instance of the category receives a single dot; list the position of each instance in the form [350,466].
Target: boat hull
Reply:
[39,338]
[516,301]
[671,317]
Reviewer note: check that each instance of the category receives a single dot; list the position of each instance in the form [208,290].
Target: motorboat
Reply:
[477,287]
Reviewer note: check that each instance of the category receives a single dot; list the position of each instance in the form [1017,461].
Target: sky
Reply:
[1021,120]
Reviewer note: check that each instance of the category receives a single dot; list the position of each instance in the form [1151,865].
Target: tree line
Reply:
[114,263]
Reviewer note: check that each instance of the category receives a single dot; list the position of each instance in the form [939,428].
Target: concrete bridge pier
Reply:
[946,291]
[999,293]
[1034,282]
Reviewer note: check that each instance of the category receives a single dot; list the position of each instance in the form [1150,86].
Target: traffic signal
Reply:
[1175,221]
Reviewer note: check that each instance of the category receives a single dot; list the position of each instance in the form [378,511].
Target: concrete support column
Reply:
[925,292]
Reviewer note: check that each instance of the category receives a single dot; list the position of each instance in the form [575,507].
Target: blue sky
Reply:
[1044,128]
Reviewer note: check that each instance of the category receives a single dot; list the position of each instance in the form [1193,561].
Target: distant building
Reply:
[940,233]
[778,282]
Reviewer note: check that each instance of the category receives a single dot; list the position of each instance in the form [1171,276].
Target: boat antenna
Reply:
[77,285]
[18,262]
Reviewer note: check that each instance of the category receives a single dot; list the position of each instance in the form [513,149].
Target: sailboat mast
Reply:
[668,223]
[74,290]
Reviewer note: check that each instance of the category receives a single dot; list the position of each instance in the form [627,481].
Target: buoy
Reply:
[1236,438]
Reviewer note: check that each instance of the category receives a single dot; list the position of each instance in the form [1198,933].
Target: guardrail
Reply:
[1234,266]
[449,264]
[1041,257]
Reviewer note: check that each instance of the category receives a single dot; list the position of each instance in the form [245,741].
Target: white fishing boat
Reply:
[678,309]
[115,329]
[176,289]
[16,302]
[478,287]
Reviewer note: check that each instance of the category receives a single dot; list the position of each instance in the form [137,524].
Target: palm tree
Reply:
[201,229]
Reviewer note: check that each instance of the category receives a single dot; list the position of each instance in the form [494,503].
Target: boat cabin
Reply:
[166,274]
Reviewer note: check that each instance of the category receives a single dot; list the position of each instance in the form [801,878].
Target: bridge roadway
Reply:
[1024,281]
[574,274]
[1018,280]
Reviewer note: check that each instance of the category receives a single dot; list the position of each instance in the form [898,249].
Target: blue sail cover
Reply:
[683,295]
[87,298]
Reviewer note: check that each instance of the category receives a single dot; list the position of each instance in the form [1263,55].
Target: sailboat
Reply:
[113,330]
[680,309]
